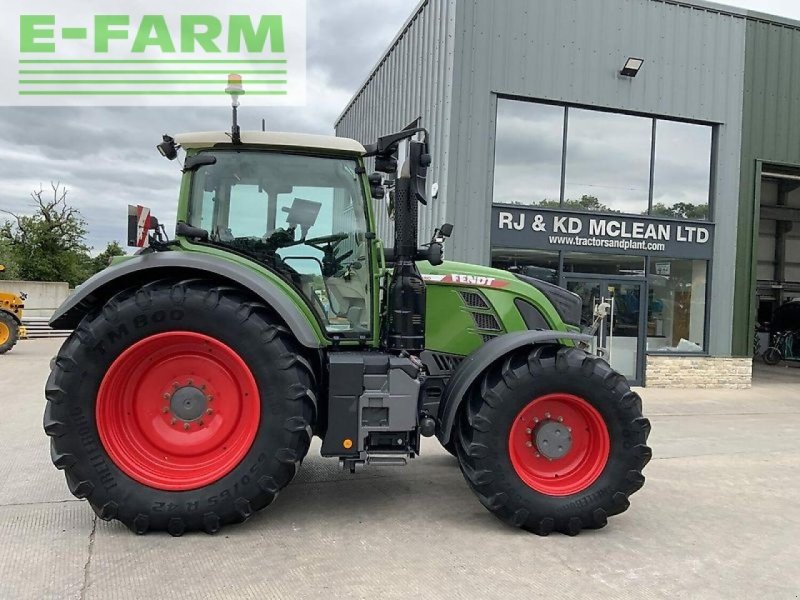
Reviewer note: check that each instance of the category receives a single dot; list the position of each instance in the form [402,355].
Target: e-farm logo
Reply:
[153,53]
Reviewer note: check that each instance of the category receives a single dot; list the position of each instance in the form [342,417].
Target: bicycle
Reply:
[782,348]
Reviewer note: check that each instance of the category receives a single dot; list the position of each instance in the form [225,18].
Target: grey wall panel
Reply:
[571,51]
[413,79]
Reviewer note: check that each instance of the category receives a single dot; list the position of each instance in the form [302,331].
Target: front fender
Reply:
[146,267]
[476,363]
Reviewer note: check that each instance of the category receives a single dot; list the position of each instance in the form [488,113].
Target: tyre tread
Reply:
[474,427]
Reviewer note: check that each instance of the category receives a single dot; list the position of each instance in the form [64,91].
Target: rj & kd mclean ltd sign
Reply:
[545,229]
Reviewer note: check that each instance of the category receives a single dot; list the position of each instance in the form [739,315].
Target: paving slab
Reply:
[717,518]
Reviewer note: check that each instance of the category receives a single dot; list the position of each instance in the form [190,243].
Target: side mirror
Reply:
[385,164]
[376,186]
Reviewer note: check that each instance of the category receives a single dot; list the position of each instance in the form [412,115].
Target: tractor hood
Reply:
[567,304]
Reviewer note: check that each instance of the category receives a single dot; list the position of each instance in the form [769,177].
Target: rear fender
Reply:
[476,363]
[147,267]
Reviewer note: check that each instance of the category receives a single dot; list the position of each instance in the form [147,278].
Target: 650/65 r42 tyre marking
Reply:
[177,410]
[552,439]
[177,349]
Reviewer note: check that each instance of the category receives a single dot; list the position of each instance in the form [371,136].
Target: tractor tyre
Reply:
[553,439]
[179,406]
[451,446]
[9,332]
[772,356]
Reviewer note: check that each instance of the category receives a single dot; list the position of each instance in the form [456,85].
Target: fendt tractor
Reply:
[200,368]
[11,328]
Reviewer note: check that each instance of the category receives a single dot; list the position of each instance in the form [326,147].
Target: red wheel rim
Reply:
[177,411]
[558,444]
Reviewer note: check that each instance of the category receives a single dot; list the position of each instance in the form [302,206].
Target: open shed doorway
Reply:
[778,270]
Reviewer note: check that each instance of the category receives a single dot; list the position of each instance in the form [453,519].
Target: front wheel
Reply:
[179,406]
[552,439]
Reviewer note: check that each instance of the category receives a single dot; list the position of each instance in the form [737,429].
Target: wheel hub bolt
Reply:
[167,396]
[185,426]
[173,421]
[529,444]
[529,431]
[209,411]
[165,409]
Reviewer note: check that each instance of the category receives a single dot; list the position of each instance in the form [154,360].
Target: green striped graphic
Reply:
[148,72]
[149,61]
[144,81]
[142,93]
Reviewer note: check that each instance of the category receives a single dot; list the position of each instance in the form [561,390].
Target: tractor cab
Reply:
[295,204]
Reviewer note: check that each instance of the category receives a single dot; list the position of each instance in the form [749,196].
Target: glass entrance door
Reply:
[619,335]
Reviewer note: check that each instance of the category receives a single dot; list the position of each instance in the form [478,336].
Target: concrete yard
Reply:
[717,518]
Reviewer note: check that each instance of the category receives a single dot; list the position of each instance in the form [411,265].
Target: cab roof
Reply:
[209,139]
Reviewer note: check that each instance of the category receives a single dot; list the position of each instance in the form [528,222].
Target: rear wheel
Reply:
[772,356]
[552,439]
[179,406]
[9,332]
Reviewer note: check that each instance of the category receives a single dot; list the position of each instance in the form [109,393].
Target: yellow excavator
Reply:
[11,329]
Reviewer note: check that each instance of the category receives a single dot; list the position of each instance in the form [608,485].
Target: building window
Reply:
[604,264]
[676,307]
[608,162]
[528,149]
[682,170]
[611,162]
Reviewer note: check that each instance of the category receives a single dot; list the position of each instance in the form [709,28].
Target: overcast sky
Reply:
[107,159]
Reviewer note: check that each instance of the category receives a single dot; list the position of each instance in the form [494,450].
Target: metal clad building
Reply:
[521,97]
[414,79]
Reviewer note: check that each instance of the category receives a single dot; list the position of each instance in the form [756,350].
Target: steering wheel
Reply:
[326,239]
[327,244]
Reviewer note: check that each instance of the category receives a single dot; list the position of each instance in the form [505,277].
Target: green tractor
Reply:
[200,368]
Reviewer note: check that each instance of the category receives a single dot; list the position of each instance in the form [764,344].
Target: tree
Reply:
[7,260]
[101,261]
[586,203]
[680,210]
[49,245]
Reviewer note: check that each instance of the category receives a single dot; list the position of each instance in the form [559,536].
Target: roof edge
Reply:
[734,11]
[208,139]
